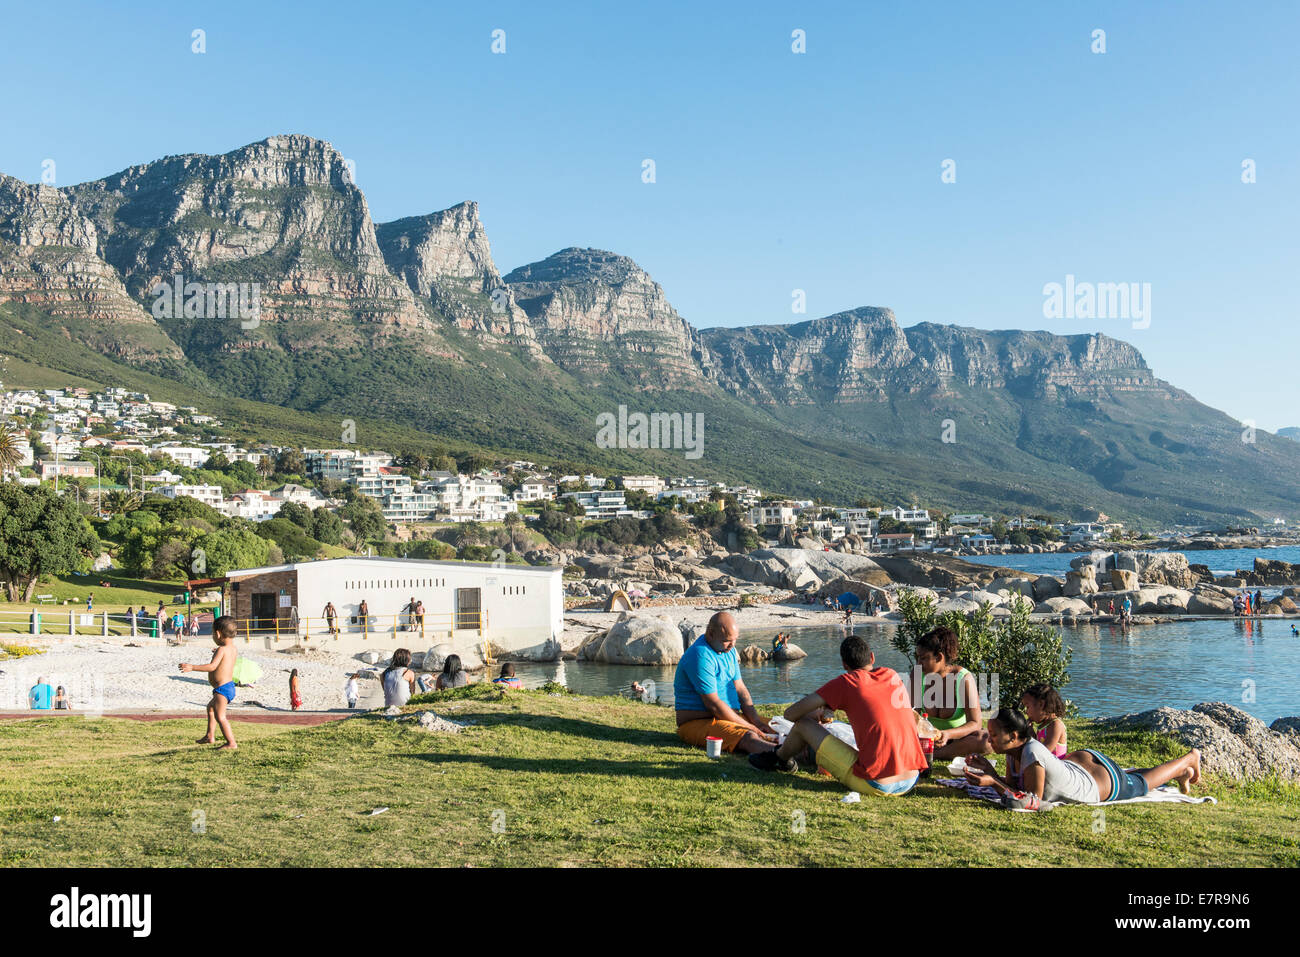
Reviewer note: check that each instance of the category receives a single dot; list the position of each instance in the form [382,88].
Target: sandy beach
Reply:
[104,675]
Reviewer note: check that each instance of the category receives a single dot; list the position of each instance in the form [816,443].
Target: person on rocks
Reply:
[711,698]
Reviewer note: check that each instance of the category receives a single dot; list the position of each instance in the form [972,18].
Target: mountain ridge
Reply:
[412,320]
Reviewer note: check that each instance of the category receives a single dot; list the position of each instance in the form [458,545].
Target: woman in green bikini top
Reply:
[961,731]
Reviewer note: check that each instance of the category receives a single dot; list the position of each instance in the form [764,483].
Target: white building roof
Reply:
[408,562]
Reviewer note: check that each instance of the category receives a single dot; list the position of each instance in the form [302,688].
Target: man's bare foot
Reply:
[1183,780]
[228,746]
[1196,767]
[206,739]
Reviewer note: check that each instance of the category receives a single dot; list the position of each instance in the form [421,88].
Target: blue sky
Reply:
[775,171]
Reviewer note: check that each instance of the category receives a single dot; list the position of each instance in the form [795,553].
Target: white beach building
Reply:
[518,609]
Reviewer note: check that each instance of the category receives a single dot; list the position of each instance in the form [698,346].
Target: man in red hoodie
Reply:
[888,758]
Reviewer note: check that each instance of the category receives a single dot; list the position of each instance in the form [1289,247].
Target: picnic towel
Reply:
[1167,794]
[841,729]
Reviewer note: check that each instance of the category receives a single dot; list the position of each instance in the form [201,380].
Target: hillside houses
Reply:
[74,432]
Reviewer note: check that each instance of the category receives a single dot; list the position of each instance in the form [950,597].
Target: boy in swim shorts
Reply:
[221,675]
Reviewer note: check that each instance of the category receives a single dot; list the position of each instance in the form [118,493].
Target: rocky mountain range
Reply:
[412,321]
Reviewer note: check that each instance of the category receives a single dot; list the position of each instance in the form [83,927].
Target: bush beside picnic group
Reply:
[1019,652]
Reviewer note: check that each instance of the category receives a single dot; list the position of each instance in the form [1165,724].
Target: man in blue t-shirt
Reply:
[710,698]
[41,697]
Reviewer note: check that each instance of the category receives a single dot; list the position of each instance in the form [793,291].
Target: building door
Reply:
[264,611]
[469,607]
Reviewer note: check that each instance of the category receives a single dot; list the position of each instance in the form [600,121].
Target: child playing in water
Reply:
[1044,707]
[221,674]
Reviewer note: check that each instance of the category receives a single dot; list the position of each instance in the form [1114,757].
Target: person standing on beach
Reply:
[221,674]
[419,616]
[331,616]
[295,690]
[350,691]
[1259,601]
[363,615]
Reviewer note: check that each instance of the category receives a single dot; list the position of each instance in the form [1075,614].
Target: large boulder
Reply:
[1064,606]
[1122,579]
[1158,568]
[1206,601]
[1269,571]
[1231,741]
[789,652]
[801,578]
[640,640]
[759,567]
[963,605]
[1023,586]
[1080,581]
[1045,587]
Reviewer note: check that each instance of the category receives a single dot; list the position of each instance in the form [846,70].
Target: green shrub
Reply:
[1018,651]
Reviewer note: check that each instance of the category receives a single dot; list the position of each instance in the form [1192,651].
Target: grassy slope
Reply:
[581,781]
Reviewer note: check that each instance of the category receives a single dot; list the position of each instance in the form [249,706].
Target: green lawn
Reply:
[567,781]
[125,592]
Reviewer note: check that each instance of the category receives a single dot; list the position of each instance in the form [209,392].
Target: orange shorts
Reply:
[694,732]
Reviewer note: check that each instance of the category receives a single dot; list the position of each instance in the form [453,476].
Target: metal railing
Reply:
[51,620]
[366,626]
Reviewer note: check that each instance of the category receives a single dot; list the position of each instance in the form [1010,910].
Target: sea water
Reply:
[1249,664]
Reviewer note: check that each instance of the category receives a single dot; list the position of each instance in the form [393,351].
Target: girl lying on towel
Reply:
[1036,776]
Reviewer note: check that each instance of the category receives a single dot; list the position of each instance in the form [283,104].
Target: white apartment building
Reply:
[207,494]
[535,490]
[601,503]
[186,456]
[650,484]
[774,513]
[252,504]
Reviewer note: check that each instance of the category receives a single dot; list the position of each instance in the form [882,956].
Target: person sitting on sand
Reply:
[508,677]
[949,696]
[398,679]
[1080,777]
[61,702]
[711,700]
[888,759]
[453,674]
[221,674]
[1043,706]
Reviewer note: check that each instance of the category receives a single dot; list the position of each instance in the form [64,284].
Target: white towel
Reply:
[1167,794]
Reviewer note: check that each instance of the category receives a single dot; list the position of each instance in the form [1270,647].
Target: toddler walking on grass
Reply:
[221,675]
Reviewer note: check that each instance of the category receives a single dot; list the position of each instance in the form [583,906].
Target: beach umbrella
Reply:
[848,598]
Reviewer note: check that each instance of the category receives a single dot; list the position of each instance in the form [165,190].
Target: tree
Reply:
[366,519]
[300,515]
[41,533]
[11,439]
[326,526]
[289,462]
[119,502]
[225,549]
